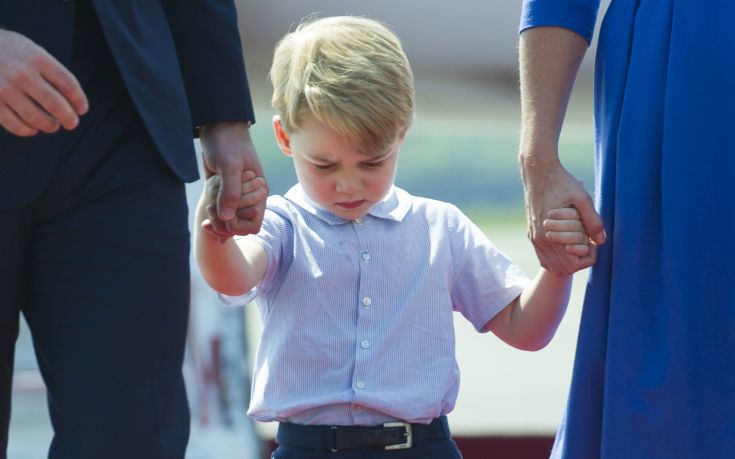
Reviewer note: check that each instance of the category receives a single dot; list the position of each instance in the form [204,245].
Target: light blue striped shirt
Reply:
[357,315]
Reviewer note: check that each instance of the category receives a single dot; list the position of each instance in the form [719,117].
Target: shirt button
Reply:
[365,344]
[366,256]
[360,384]
[358,221]
[367,301]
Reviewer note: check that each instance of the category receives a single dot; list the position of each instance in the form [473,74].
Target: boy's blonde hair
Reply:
[351,74]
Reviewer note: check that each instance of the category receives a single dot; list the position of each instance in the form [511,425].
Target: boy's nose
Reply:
[348,184]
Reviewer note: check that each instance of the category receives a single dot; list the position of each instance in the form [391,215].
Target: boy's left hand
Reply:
[564,226]
[253,190]
[228,151]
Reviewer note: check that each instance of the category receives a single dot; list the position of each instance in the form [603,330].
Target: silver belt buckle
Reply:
[409,438]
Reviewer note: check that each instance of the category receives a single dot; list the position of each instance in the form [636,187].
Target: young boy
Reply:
[356,280]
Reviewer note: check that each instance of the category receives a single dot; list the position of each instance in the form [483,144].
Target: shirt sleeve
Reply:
[275,236]
[576,15]
[485,280]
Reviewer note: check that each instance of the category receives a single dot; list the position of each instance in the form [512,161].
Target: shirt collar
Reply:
[394,206]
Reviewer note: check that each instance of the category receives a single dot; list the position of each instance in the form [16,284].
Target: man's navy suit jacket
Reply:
[181,62]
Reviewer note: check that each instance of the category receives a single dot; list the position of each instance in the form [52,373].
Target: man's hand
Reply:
[252,191]
[549,186]
[228,151]
[37,93]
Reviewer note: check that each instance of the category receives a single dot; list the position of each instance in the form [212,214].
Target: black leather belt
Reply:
[392,435]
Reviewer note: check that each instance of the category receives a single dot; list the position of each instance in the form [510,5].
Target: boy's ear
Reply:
[284,142]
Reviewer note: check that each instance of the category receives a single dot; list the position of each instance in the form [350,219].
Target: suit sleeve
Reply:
[576,15]
[211,59]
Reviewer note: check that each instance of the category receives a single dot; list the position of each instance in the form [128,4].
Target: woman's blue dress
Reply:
[654,371]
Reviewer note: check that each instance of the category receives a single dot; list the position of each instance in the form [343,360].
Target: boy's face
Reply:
[332,170]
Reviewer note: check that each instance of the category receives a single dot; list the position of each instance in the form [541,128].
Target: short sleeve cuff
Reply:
[239,300]
[576,15]
[263,287]
[516,282]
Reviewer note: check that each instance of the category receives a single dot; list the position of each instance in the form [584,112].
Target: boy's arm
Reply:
[530,321]
[229,267]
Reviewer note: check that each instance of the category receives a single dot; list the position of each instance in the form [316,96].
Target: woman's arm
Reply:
[530,321]
[549,60]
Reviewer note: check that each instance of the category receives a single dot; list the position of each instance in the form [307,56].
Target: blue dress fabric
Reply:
[654,370]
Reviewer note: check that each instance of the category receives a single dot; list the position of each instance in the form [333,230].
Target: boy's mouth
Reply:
[351,204]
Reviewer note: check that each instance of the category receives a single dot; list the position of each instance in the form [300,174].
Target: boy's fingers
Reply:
[229,195]
[563,225]
[247,213]
[252,184]
[211,190]
[247,174]
[591,220]
[208,228]
[566,213]
[580,250]
[251,198]
[249,218]
[567,237]
[218,226]
[212,212]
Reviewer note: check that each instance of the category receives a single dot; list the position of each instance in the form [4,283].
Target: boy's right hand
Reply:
[252,191]
[564,226]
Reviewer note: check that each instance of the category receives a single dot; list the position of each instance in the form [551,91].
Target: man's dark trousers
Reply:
[98,264]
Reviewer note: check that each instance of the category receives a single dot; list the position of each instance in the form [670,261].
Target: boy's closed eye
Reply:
[374,164]
[368,165]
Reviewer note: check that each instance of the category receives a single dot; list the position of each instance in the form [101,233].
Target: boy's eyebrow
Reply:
[317,158]
[375,159]
[379,158]
[314,157]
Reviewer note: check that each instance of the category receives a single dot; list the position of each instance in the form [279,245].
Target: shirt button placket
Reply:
[361,373]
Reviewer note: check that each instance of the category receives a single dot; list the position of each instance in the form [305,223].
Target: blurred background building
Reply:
[472,39]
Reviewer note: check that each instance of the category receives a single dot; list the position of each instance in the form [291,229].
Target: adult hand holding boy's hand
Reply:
[228,152]
[548,186]
[252,191]
[564,227]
